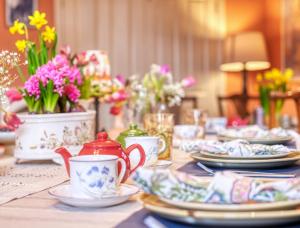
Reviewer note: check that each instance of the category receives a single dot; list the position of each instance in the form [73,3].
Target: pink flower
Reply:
[12,120]
[165,69]
[75,76]
[65,51]
[13,95]
[80,59]
[115,110]
[119,96]
[32,86]
[72,92]
[121,79]
[60,61]
[188,81]
[237,122]
[58,71]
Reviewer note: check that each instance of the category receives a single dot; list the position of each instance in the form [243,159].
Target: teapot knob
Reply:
[102,136]
[133,126]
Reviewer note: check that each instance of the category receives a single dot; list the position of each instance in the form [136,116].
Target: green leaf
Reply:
[264,98]
[53,50]
[85,89]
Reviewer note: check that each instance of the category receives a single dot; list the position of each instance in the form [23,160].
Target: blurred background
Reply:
[188,35]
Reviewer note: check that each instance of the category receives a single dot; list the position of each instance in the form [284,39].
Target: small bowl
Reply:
[213,124]
[186,131]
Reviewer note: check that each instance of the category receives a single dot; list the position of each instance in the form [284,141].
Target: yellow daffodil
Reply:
[288,74]
[21,45]
[49,34]
[275,73]
[38,19]
[278,82]
[18,27]
[271,86]
[268,75]
[259,78]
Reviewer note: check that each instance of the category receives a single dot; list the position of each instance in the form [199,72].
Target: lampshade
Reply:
[245,51]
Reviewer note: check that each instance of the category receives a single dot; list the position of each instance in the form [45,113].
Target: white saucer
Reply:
[63,194]
[7,137]
[162,164]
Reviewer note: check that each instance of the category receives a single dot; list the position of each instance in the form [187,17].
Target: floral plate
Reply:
[221,218]
[247,163]
[63,193]
[233,207]
[226,156]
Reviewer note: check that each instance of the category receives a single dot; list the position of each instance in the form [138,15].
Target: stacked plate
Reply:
[274,140]
[276,213]
[261,161]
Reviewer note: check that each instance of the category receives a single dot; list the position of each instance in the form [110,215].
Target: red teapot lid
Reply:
[103,141]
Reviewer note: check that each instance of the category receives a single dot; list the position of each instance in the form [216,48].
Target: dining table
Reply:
[42,210]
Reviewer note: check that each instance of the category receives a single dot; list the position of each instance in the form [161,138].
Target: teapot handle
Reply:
[122,171]
[142,155]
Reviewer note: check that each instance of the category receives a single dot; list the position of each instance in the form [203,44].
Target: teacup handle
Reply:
[122,171]
[164,145]
[142,155]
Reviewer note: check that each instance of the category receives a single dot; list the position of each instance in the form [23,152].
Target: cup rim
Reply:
[186,125]
[143,137]
[93,158]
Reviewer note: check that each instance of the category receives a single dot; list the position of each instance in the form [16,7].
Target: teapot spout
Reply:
[66,156]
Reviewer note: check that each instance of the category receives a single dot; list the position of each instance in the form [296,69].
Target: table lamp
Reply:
[245,52]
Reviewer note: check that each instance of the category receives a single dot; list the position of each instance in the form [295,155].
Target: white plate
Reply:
[220,218]
[7,137]
[226,156]
[265,141]
[161,164]
[233,207]
[63,194]
[247,163]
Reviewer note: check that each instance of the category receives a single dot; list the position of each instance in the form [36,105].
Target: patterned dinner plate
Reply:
[234,207]
[226,156]
[265,141]
[64,194]
[247,163]
[221,218]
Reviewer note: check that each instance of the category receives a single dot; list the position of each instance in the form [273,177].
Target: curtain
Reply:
[186,34]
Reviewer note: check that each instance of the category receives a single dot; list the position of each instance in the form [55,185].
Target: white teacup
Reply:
[150,145]
[93,176]
[186,131]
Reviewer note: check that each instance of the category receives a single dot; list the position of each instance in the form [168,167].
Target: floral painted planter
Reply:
[41,134]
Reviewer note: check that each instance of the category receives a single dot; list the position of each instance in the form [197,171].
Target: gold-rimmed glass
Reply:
[161,125]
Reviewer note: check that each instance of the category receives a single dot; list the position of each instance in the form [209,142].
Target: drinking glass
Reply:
[161,125]
[196,117]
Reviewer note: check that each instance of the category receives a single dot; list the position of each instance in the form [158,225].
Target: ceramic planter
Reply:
[41,134]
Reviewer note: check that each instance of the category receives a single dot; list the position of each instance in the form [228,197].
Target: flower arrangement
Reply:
[273,80]
[53,88]
[37,55]
[96,80]
[8,62]
[53,82]
[157,87]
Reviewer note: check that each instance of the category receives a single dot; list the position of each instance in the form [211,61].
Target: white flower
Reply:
[155,69]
